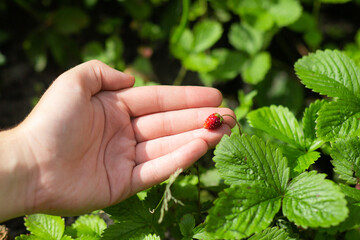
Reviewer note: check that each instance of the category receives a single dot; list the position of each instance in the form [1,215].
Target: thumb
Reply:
[94,76]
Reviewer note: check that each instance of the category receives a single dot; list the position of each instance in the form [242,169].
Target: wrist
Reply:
[16,175]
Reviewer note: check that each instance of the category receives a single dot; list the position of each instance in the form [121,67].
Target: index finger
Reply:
[151,99]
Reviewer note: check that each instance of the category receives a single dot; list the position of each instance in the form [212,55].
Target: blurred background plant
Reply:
[245,48]
[238,46]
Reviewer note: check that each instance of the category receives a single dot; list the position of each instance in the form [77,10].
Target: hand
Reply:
[93,140]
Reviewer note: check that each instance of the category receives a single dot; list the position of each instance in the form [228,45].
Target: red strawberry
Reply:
[213,121]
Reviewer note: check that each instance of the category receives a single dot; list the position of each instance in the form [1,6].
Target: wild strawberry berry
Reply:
[213,121]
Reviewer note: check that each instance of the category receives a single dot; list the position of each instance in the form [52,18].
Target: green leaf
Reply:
[26,237]
[230,64]
[2,59]
[133,220]
[305,160]
[68,20]
[246,38]
[346,159]
[183,47]
[151,31]
[113,51]
[331,73]
[273,233]
[299,160]
[353,220]
[45,226]
[151,237]
[256,68]
[65,237]
[352,193]
[263,20]
[285,12]
[200,62]
[313,201]
[254,12]
[138,10]
[278,122]
[35,47]
[197,9]
[338,119]
[91,225]
[206,34]
[201,233]
[309,125]
[352,234]
[244,159]
[242,210]
[305,23]
[63,49]
[187,225]
[93,50]
[246,103]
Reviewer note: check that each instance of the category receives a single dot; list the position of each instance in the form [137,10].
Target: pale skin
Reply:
[93,140]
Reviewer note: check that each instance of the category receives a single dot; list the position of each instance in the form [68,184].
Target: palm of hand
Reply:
[95,149]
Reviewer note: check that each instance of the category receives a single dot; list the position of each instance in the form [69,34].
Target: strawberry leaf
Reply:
[313,201]
[285,12]
[330,73]
[309,125]
[346,159]
[183,47]
[187,225]
[206,34]
[353,220]
[278,122]
[133,220]
[338,119]
[44,226]
[246,38]
[255,69]
[273,233]
[299,160]
[242,210]
[151,237]
[230,64]
[200,62]
[89,225]
[244,159]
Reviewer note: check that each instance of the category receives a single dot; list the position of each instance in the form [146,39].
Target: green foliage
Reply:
[264,184]
[346,159]
[273,233]
[259,184]
[245,38]
[45,227]
[249,159]
[242,210]
[42,226]
[192,43]
[133,219]
[281,124]
[334,74]
[312,201]
[330,73]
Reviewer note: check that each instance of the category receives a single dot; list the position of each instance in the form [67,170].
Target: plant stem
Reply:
[180,76]
[316,10]
[237,123]
[198,187]
[183,22]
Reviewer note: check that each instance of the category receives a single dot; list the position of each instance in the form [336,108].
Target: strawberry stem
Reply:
[237,123]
